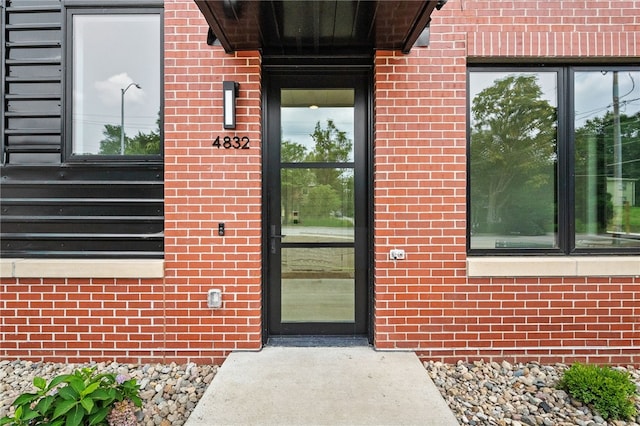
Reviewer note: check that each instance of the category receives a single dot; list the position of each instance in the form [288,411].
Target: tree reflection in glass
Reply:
[317,205]
[513,162]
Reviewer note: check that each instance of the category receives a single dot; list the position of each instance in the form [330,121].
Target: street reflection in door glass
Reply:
[318,285]
[317,205]
[314,212]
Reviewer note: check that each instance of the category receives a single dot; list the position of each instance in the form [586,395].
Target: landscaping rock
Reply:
[168,392]
[517,395]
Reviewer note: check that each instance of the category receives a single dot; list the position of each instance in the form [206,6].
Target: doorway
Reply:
[317,204]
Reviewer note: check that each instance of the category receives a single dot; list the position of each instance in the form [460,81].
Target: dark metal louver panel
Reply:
[33,65]
[88,211]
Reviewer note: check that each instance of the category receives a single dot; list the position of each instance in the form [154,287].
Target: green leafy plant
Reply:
[611,392]
[81,398]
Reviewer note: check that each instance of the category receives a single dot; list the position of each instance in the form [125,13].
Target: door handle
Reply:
[273,233]
[273,238]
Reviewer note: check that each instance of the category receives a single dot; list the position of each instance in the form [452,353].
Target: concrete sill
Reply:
[587,266]
[81,268]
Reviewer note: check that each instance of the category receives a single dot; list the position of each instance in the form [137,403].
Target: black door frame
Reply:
[294,75]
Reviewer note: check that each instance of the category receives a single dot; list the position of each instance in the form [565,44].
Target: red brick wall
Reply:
[73,320]
[206,185]
[426,303]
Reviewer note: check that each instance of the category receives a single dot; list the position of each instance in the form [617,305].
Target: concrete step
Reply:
[322,386]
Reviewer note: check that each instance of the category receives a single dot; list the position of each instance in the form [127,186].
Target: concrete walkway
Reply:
[322,386]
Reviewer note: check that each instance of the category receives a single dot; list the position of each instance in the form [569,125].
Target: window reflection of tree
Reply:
[140,144]
[513,156]
[594,164]
[319,195]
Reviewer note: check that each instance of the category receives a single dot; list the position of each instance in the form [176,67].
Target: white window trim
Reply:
[549,266]
[81,268]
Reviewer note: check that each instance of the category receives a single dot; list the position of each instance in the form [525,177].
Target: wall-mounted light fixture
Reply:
[230,91]
[425,36]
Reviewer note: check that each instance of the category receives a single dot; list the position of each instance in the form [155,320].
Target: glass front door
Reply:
[317,205]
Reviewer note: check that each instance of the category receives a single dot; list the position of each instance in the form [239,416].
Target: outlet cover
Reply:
[396,254]
[214,298]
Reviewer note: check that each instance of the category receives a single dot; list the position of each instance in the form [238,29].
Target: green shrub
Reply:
[611,392]
[81,398]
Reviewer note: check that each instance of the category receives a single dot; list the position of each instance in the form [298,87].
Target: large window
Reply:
[554,160]
[115,82]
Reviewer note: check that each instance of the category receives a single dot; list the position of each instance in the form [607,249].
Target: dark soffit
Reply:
[317,27]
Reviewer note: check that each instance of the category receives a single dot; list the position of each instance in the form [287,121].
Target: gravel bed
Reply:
[482,393]
[478,393]
[169,392]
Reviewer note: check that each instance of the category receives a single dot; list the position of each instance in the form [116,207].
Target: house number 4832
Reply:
[229,142]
